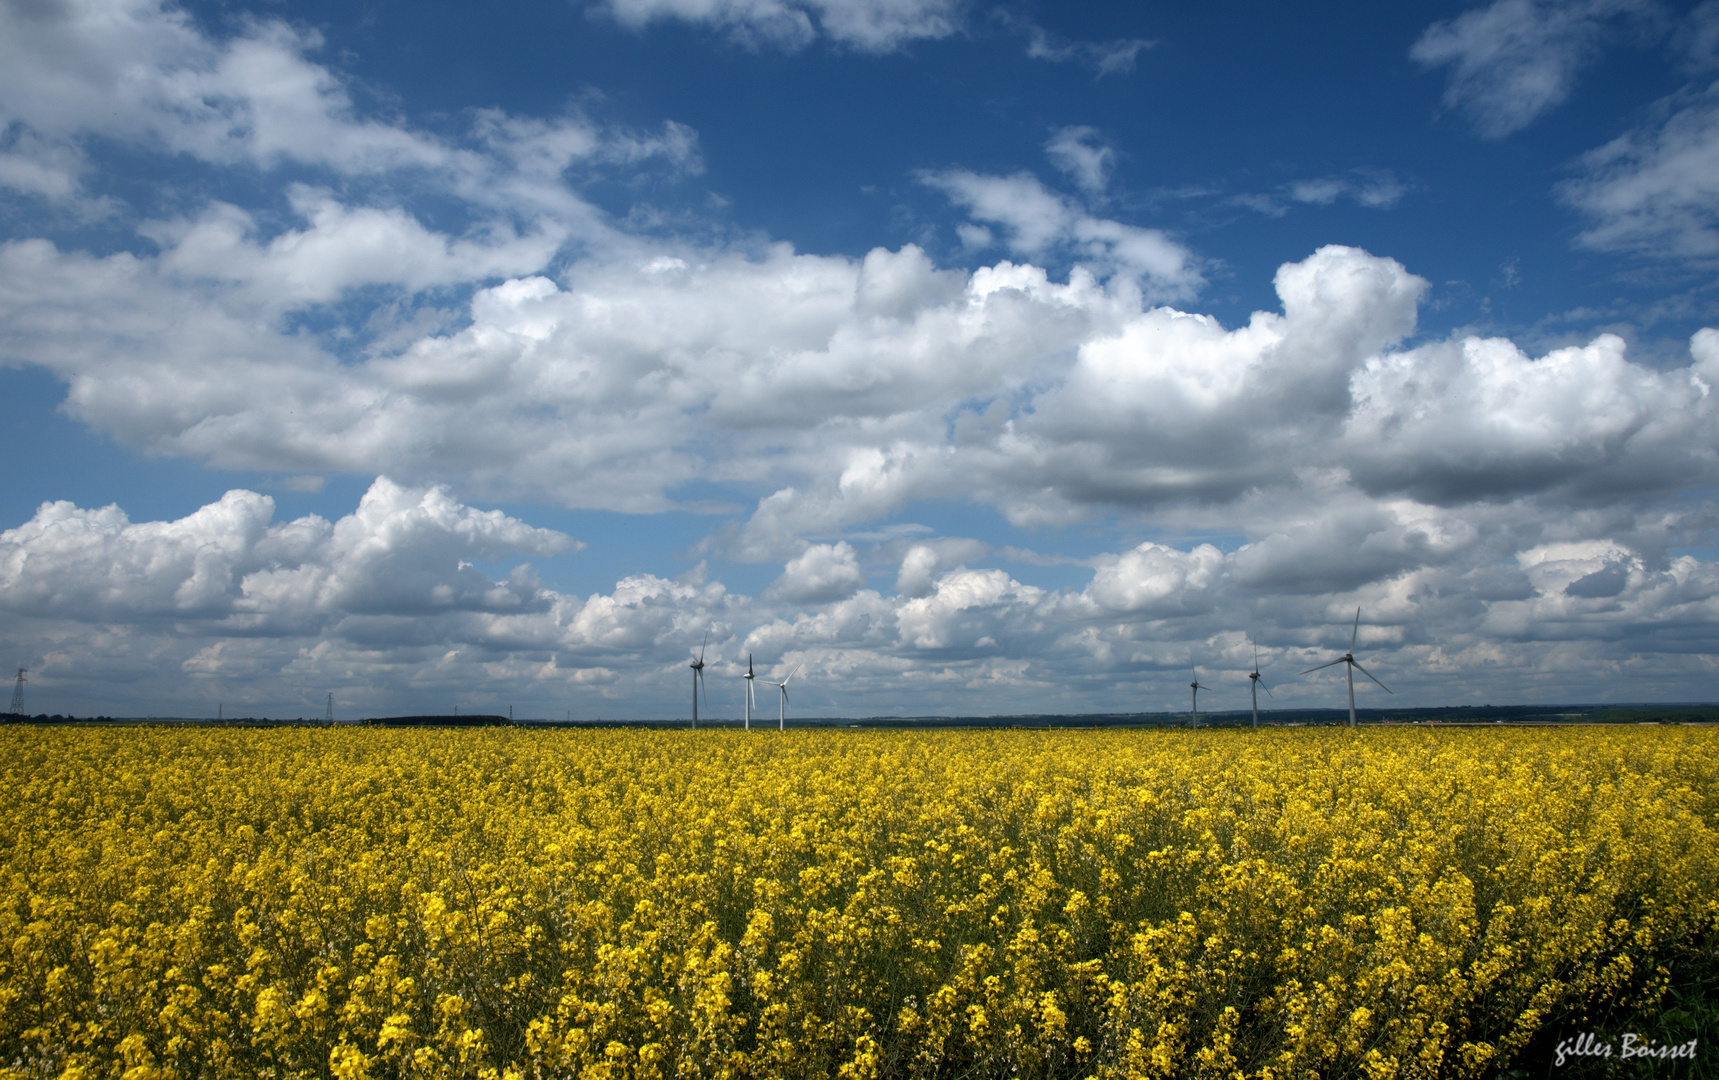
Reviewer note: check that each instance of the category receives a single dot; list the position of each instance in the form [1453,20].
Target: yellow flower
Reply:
[478,903]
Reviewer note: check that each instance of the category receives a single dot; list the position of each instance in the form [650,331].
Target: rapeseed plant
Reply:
[510,903]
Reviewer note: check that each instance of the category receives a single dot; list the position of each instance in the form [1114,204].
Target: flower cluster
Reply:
[629,904]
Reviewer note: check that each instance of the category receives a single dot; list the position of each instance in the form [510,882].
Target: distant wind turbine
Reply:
[1256,684]
[1196,686]
[698,679]
[1354,665]
[751,699]
[782,713]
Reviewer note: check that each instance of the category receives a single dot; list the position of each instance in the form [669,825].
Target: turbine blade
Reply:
[1355,635]
[1264,687]
[1369,675]
[1322,667]
[701,647]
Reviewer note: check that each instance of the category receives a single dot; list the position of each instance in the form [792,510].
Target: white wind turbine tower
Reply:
[751,699]
[1256,684]
[698,678]
[1354,665]
[1197,686]
[782,713]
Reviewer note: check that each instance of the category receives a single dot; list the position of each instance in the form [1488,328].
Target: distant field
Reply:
[1003,903]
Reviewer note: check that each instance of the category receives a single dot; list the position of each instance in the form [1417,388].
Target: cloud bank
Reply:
[385,609]
[446,312]
[1485,506]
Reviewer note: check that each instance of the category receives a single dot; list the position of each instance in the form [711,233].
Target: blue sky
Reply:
[975,358]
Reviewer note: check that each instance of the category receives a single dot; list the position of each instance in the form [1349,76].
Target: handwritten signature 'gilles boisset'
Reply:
[1630,1045]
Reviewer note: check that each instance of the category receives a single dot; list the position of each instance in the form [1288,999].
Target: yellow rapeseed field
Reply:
[622,903]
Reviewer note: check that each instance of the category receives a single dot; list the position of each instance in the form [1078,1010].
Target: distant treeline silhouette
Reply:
[1678,713]
[462,720]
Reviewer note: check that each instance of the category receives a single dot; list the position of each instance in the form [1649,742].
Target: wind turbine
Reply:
[698,679]
[782,714]
[1256,684]
[751,699]
[1197,687]
[1354,665]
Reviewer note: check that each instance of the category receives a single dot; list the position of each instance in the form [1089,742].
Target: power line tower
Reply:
[18,693]
[331,706]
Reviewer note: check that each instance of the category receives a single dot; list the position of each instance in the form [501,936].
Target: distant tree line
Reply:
[1458,714]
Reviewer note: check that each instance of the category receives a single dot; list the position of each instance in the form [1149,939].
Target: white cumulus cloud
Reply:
[402,552]
[820,574]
